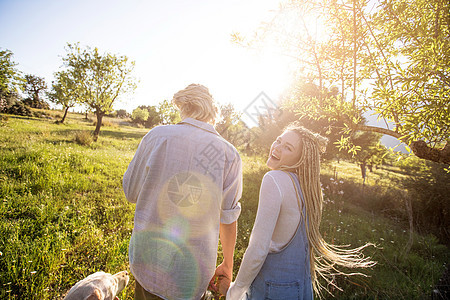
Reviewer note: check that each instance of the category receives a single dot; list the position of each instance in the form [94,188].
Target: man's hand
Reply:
[227,234]
[223,283]
[224,271]
[222,275]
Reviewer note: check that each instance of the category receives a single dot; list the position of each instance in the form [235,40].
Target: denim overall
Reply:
[286,274]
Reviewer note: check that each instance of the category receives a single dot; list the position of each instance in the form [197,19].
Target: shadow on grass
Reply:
[122,134]
[119,135]
[30,118]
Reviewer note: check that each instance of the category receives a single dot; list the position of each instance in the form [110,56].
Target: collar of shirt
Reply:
[199,124]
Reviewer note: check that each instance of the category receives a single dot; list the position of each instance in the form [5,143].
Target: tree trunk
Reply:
[363,172]
[354,55]
[409,211]
[422,150]
[99,124]
[65,114]
[419,148]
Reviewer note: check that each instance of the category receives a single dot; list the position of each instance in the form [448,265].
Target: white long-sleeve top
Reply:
[276,221]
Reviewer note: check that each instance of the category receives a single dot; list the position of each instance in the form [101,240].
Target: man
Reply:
[186,181]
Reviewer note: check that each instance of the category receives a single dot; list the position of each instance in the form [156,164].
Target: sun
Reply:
[274,73]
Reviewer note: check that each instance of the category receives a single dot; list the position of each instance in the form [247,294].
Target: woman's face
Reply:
[285,151]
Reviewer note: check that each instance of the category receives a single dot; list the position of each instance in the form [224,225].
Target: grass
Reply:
[64,216]
[63,212]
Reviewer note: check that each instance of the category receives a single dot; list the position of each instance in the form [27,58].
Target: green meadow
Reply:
[63,214]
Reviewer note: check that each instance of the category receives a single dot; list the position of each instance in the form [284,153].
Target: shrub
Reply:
[140,115]
[428,184]
[36,103]
[3,119]
[122,113]
[19,109]
[3,104]
[83,138]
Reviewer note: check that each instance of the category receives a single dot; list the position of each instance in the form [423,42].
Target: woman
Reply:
[285,257]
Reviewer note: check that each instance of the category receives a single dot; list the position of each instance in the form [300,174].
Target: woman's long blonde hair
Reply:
[323,257]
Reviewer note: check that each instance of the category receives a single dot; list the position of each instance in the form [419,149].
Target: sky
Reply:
[173,43]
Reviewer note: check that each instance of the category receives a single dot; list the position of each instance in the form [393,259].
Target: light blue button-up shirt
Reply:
[185,179]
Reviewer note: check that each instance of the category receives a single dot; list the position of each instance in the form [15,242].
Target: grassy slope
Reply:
[63,215]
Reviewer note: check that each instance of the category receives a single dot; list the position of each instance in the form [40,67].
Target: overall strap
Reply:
[301,207]
[298,193]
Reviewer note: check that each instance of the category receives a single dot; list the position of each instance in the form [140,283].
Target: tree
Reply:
[326,127]
[122,113]
[139,115]
[228,118]
[167,113]
[370,150]
[153,116]
[231,127]
[101,79]
[10,79]
[64,92]
[34,86]
[392,60]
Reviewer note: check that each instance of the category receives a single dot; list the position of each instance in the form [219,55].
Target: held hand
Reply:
[222,271]
[223,283]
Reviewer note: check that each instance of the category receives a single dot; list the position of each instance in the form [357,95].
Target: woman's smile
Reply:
[285,151]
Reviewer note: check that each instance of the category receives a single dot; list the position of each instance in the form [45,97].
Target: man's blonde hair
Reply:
[196,102]
[324,258]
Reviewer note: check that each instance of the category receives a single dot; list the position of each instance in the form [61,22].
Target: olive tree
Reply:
[10,79]
[64,92]
[35,86]
[101,79]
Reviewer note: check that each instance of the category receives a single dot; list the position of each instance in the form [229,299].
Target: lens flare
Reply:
[177,230]
[163,255]
[174,252]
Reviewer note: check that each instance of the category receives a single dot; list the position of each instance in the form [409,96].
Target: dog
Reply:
[99,286]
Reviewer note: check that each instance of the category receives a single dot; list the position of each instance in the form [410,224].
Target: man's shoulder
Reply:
[228,146]
[160,130]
